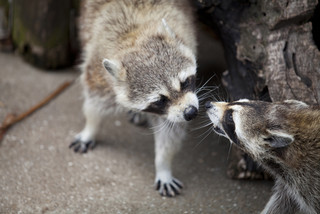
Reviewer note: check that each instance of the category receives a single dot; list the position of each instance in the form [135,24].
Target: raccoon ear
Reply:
[279,139]
[167,28]
[297,104]
[113,68]
[110,66]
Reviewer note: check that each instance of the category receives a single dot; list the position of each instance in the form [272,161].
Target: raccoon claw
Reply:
[169,189]
[81,147]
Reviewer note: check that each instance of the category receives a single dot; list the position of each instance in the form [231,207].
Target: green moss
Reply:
[5,4]
[50,51]
[19,33]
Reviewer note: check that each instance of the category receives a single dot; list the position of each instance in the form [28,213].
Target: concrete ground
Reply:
[39,174]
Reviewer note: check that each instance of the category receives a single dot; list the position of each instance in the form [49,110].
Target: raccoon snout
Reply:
[190,113]
[208,105]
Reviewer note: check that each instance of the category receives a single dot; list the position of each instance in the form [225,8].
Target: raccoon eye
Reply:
[229,126]
[189,83]
[229,117]
[159,106]
[162,102]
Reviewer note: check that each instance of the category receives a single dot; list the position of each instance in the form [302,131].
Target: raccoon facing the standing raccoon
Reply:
[285,139]
[140,55]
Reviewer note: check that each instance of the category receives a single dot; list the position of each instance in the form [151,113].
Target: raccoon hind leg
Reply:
[81,146]
[94,115]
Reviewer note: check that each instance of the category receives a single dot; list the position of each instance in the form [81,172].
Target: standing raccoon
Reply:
[285,139]
[140,55]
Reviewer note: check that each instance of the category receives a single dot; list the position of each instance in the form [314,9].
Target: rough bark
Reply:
[43,32]
[4,21]
[270,46]
[5,26]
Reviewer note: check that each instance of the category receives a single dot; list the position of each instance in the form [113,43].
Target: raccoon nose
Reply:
[190,113]
[208,105]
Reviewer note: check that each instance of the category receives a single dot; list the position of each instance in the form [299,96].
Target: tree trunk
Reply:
[4,21]
[43,32]
[271,47]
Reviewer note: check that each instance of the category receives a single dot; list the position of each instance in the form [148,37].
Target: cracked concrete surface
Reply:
[39,174]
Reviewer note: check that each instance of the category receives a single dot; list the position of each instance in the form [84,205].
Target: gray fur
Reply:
[285,139]
[136,54]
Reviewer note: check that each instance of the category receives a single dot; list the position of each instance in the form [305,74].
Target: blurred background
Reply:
[39,50]
[42,32]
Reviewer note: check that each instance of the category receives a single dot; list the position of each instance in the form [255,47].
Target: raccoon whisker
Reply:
[160,127]
[156,126]
[166,125]
[206,88]
[145,133]
[204,97]
[201,89]
[206,133]
[205,117]
[171,125]
[202,116]
[205,91]
[208,91]
[202,126]
[229,151]
[201,111]
[216,97]
[205,83]
[209,87]
[221,92]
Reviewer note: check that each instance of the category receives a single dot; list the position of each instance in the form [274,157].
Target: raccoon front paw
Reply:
[138,119]
[81,146]
[169,187]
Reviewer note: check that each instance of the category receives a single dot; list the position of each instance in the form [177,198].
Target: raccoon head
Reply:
[158,77]
[259,128]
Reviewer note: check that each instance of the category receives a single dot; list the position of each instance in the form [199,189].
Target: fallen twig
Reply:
[11,119]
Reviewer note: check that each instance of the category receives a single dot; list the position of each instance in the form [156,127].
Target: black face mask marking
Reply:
[229,126]
[259,107]
[158,107]
[219,131]
[189,84]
